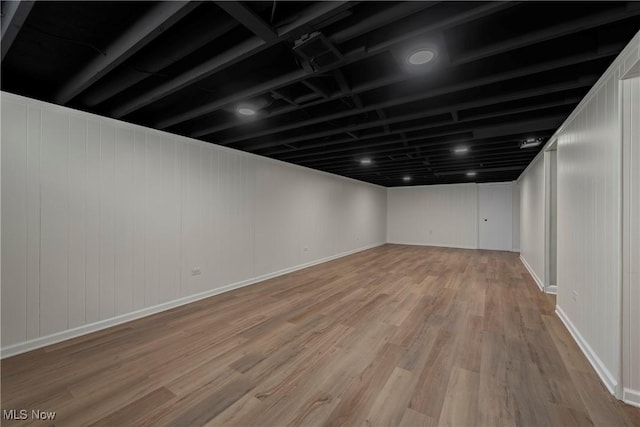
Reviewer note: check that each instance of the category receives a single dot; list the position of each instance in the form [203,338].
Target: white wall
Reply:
[434,215]
[515,212]
[102,219]
[532,228]
[589,258]
[631,241]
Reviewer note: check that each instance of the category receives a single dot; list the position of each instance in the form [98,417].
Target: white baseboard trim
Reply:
[552,289]
[431,244]
[532,273]
[605,376]
[631,397]
[39,342]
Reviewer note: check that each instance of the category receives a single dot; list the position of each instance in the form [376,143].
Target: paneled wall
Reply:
[532,217]
[631,240]
[589,228]
[435,215]
[103,221]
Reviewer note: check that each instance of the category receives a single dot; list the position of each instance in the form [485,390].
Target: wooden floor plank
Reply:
[392,336]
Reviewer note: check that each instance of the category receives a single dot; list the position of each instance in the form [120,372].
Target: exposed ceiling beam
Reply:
[154,23]
[543,90]
[396,78]
[315,88]
[417,96]
[229,57]
[541,125]
[338,75]
[14,13]
[342,145]
[380,19]
[248,19]
[439,153]
[353,56]
[565,28]
[173,50]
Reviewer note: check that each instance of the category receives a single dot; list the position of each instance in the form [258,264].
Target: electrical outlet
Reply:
[196,271]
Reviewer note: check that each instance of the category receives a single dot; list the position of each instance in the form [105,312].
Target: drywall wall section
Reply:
[631,241]
[532,227]
[589,211]
[105,221]
[435,215]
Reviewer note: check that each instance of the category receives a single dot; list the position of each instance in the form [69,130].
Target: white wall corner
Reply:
[533,274]
[606,377]
[631,397]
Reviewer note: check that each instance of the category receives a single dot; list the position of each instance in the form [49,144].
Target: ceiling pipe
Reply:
[353,56]
[159,19]
[227,58]
[14,15]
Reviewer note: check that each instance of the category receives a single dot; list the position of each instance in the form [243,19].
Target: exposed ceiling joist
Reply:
[14,14]
[419,95]
[545,34]
[323,147]
[543,90]
[173,51]
[160,18]
[248,19]
[227,58]
[540,125]
[390,80]
[350,57]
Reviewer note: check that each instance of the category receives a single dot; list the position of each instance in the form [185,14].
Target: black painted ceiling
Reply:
[504,72]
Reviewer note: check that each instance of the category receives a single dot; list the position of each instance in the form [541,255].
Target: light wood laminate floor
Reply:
[392,336]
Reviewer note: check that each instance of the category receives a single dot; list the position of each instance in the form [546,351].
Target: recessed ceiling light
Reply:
[421,56]
[365,161]
[461,150]
[406,178]
[246,111]
[471,174]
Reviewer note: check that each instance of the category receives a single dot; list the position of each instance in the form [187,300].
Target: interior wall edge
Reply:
[533,274]
[607,378]
[631,397]
[34,344]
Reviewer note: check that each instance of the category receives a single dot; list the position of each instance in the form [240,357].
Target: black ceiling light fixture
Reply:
[365,161]
[471,173]
[406,178]
[461,150]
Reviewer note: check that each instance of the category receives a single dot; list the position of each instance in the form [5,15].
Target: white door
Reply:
[494,216]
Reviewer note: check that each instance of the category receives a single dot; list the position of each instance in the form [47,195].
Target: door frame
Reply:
[479,222]
[552,146]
